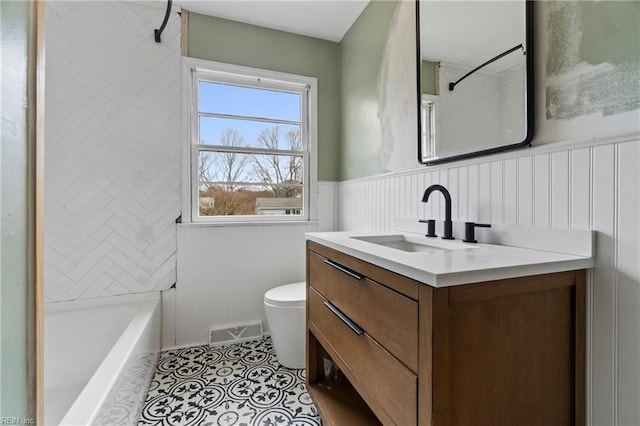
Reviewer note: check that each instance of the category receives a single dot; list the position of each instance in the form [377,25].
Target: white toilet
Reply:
[285,308]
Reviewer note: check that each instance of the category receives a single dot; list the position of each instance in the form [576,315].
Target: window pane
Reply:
[229,168]
[247,101]
[246,133]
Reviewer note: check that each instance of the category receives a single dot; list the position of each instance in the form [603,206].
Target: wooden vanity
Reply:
[505,352]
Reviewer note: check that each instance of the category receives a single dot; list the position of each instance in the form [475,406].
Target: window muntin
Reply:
[246,132]
[249,163]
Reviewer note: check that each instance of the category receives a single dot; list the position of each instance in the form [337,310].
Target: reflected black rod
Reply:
[158,32]
[505,53]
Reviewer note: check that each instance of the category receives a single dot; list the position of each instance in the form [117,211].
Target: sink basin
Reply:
[412,244]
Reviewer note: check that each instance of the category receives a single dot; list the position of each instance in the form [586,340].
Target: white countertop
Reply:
[443,268]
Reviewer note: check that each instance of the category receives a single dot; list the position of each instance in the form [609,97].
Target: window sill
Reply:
[251,223]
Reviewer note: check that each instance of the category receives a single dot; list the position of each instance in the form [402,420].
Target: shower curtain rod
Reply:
[158,32]
[505,53]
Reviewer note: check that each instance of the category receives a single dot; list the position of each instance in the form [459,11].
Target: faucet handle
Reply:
[431,227]
[469,231]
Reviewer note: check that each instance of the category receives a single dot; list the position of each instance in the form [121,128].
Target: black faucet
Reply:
[448,226]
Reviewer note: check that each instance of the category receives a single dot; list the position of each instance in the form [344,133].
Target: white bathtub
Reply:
[100,356]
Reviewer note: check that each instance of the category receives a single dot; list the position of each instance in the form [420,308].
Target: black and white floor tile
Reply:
[240,384]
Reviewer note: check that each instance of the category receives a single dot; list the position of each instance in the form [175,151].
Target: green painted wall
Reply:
[361,55]
[351,138]
[600,42]
[428,78]
[237,43]
[613,32]
[14,36]
[593,32]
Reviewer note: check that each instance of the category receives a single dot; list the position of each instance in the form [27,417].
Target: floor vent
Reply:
[235,334]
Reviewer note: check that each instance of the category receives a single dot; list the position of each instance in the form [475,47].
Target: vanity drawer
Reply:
[386,379]
[386,315]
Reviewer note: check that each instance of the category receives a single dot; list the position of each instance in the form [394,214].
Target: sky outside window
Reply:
[219,98]
[248,101]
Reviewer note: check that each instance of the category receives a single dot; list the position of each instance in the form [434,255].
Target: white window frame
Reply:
[192,69]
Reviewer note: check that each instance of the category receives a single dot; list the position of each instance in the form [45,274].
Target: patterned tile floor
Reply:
[240,384]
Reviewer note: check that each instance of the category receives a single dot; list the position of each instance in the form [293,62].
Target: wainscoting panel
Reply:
[560,189]
[602,340]
[541,190]
[582,186]
[484,194]
[497,185]
[628,291]
[225,271]
[580,201]
[525,191]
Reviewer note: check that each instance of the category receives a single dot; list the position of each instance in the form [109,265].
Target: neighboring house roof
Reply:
[278,203]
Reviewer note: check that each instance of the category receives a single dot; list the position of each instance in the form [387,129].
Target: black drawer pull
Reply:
[345,319]
[343,269]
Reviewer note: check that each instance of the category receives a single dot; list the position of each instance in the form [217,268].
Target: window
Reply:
[250,144]
[429,120]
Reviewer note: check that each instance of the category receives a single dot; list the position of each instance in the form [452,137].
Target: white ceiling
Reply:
[467,32]
[472,32]
[325,19]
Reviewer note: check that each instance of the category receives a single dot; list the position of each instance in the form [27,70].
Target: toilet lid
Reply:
[287,295]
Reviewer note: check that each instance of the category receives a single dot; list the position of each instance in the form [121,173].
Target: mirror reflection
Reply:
[473,92]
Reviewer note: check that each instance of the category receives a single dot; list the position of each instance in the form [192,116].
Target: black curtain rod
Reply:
[158,32]
[505,53]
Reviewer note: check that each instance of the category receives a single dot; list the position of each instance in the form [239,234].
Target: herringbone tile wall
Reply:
[112,190]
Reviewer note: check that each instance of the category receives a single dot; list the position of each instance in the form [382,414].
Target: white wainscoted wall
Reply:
[224,271]
[583,172]
[582,186]
[112,172]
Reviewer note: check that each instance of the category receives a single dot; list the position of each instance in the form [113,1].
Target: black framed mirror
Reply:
[475,78]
